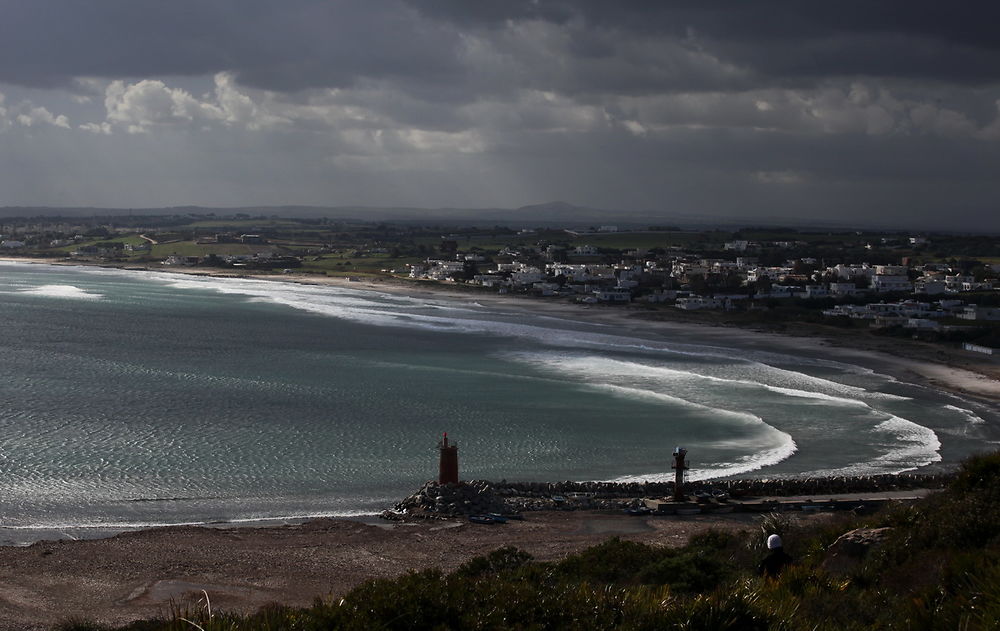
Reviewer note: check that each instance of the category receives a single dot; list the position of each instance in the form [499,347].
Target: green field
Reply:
[190,248]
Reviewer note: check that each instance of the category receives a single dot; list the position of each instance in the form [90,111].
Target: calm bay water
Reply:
[129,399]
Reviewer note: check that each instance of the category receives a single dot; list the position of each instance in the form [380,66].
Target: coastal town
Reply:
[934,287]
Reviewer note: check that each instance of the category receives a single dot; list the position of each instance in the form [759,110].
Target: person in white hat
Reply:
[776,559]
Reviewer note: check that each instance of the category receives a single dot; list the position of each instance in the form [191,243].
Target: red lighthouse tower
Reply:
[448,470]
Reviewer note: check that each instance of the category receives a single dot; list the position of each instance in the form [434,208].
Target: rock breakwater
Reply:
[434,500]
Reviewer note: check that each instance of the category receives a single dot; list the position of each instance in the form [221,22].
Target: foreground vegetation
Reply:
[938,567]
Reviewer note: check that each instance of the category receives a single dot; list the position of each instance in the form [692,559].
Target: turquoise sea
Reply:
[130,399]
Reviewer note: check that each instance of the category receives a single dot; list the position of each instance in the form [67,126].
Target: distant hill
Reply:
[549,214]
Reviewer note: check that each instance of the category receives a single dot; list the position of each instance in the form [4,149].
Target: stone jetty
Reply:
[434,500]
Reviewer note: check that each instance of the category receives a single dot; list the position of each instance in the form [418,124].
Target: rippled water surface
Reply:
[130,399]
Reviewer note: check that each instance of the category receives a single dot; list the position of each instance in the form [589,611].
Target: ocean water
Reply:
[131,399]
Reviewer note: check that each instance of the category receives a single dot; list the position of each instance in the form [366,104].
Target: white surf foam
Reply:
[742,465]
[373,308]
[771,444]
[673,377]
[910,446]
[971,417]
[806,394]
[61,291]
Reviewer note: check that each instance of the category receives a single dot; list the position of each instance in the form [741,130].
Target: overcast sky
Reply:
[834,110]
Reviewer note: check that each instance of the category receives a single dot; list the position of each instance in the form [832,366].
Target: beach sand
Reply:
[137,575]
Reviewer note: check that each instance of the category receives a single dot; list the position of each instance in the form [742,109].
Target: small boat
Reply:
[482,519]
[497,517]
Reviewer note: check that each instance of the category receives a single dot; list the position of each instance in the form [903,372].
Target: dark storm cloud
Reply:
[782,38]
[278,45]
[294,45]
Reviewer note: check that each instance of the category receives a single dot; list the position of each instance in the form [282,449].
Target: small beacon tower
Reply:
[679,466]
[448,469]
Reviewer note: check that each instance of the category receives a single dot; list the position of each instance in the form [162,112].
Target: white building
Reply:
[972,312]
[814,291]
[693,303]
[844,289]
[884,283]
[612,295]
[955,282]
[526,276]
[974,286]
[929,287]
[891,270]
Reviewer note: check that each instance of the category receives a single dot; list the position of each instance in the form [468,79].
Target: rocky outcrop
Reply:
[851,549]
[448,500]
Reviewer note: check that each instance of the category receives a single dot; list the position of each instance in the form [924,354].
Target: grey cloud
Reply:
[579,46]
[783,40]
[283,46]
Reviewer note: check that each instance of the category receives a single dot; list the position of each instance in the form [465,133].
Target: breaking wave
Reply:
[61,291]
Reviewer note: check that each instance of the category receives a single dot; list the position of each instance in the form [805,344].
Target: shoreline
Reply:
[935,366]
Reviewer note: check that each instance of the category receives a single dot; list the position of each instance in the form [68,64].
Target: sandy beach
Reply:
[138,575]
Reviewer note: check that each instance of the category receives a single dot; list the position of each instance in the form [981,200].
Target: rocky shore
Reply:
[434,500]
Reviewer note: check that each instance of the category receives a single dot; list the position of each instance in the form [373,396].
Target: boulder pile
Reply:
[748,487]
[439,501]
[434,500]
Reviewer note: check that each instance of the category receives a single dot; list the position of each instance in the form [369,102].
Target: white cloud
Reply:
[32,116]
[856,109]
[239,108]
[391,119]
[149,103]
[144,105]
[96,128]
